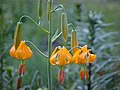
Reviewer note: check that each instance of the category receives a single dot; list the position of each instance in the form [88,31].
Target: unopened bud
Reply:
[49,6]
[74,41]
[39,8]
[64,26]
[18,35]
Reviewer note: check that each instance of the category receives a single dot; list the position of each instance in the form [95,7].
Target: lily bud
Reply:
[18,35]
[49,6]
[64,26]
[39,8]
[74,41]
[61,76]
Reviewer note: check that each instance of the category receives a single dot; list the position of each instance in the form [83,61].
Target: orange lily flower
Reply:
[23,51]
[82,56]
[60,57]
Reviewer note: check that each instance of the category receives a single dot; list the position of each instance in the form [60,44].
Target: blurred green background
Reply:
[100,31]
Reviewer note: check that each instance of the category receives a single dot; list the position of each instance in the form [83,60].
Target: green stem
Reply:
[25,16]
[49,53]
[56,37]
[74,47]
[37,49]
[60,7]
[49,45]
[70,24]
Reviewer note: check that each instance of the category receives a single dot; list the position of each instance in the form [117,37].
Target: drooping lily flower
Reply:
[23,52]
[83,56]
[60,57]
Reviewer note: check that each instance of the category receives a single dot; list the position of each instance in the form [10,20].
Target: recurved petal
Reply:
[68,59]
[23,52]
[82,58]
[53,59]
[84,49]
[64,50]
[62,59]
[75,56]
[68,55]
[54,52]
[12,51]
[91,58]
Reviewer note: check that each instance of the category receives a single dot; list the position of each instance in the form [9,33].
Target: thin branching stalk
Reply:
[37,49]
[56,37]
[25,16]
[74,47]
[71,25]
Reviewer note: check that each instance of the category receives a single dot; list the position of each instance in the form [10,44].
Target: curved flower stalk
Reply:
[60,57]
[83,56]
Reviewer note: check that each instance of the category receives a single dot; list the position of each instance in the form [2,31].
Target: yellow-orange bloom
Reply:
[23,52]
[82,56]
[91,58]
[12,51]
[60,57]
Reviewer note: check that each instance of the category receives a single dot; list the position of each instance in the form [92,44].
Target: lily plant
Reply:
[60,56]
